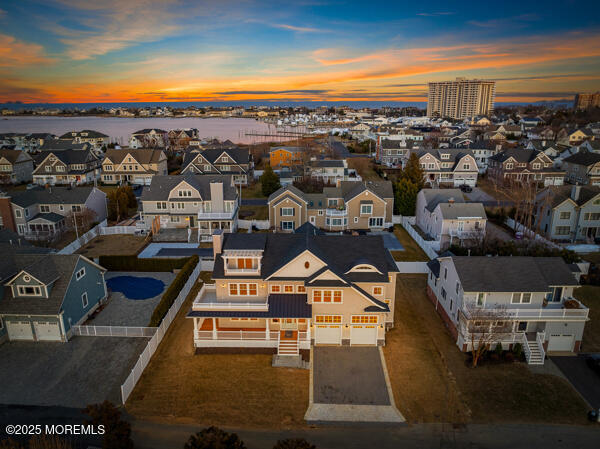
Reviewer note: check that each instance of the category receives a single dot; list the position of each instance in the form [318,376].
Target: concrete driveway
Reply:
[583,379]
[350,384]
[494,231]
[479,195]
[82,371]
[349,375]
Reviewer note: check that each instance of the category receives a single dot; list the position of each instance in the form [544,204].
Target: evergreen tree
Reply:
[413,171]
[214,438]
[406,196]
[269,181]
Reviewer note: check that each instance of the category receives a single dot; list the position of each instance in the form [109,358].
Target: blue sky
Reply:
[145,50]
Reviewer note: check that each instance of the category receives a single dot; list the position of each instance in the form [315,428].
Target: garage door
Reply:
[47,330]
[328,334]
[19,330]
[139,181]
[560,343]
[363,335]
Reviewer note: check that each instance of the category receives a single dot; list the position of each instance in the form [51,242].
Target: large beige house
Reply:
[133,166]
[350,206]
[288,291]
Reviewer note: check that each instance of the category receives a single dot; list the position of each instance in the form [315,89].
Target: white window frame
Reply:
[247,284]
[80,273]
[284,225]
[377,294]
[285,210]
[484,298]
[370,209]
[84,299]
[37,290]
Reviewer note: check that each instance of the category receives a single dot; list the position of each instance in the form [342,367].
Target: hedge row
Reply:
[132,263]
[168,297]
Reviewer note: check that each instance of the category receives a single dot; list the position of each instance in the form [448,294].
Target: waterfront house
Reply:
[235,161]
[66,164]
[149,138]
[96,139]
[280,157]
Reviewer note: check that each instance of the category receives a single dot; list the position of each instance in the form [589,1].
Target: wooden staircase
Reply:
[288,343]
[536,354]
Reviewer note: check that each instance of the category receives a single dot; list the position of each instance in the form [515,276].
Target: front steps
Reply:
[535,357]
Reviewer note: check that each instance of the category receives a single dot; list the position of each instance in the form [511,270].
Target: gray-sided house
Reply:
[236,162]
[15,167]
[44,295]
[524,300]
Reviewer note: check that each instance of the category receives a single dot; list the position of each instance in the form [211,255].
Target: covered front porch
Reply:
[45,225]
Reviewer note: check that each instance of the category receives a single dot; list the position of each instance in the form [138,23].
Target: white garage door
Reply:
[49,331]
[19,330]
[363,335]
[327,334]
[139,181]
[560,343]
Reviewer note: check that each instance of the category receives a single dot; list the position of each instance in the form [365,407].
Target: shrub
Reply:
[294,443]
[517,350]
[214,438]
[117,431]
[498,348]
[571,304]
[168,297]
[133,263]
[509,357]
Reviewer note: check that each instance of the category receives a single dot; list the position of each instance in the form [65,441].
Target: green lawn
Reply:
[412,251]
[590,296]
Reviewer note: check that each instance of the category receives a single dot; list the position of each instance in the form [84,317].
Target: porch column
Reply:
[308,329]
[214,329]
[268,330]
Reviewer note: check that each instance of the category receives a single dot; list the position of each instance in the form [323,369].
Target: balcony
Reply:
[336,212]
[217,215]
[207,300]
[553,311]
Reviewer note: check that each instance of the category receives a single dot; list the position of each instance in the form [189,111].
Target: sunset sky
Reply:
[60,51]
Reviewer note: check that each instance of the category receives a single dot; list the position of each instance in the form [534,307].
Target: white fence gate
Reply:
[152,345]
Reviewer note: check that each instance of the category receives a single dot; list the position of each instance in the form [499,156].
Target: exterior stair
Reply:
[536,356]
[288,346]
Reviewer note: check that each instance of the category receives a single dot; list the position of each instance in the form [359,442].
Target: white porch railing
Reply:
[539,338]
[547,313]
[336,212]
[526,349]
[231,305]
[243,335]
[113,331]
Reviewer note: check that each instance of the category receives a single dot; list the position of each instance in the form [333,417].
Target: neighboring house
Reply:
[569,213]
[288,176]
[280,157]
[549,148]
[235,161]
[331,171]
[96,139]
[392,151]
[15,167]
[445,217]
[40,213]
[134,166]
[350,206]
[181,138]
[202,202]
[512,131]
[531,122]
[149,138]
[524,300]
[582,168]
[77,164]
[527,165]
[45,295]
[360,130]
[577,136]
[449,166]
[291,291]
[482,154]
[592,146]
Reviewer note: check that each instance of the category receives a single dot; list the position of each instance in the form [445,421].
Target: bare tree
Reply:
[482,327]
[81,220]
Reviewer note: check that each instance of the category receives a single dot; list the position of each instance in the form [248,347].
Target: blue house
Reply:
[45,295]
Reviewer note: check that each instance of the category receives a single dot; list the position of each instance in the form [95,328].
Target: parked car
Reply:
[593,361]
[466,188]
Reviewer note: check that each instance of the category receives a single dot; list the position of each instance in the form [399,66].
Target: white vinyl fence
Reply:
[83,240]
[528,233]
[152,345]
[110,230]
[260,224]
[113,331]
[412,267]
[426,246]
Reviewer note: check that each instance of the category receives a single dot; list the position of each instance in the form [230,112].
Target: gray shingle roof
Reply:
[52,195]
[583,158]
[512,274]
[433,197]
[453,211]
[161,186]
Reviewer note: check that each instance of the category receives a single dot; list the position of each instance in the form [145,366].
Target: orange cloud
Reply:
[15,53]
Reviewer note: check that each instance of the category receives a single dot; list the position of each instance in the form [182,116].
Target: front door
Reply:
[192,221]
[289,324]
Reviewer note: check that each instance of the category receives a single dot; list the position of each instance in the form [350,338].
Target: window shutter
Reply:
[293,212]
[281,211]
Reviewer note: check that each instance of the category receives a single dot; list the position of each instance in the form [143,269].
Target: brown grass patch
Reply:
[113,245]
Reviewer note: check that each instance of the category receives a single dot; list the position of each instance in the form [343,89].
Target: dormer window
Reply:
[29,290]
[445,156]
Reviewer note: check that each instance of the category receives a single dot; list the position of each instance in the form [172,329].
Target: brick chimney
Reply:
[6,212]
[217,238]
[575,191]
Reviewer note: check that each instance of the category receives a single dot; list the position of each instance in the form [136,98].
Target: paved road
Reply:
[150,435]
[583,379]
[254,201]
